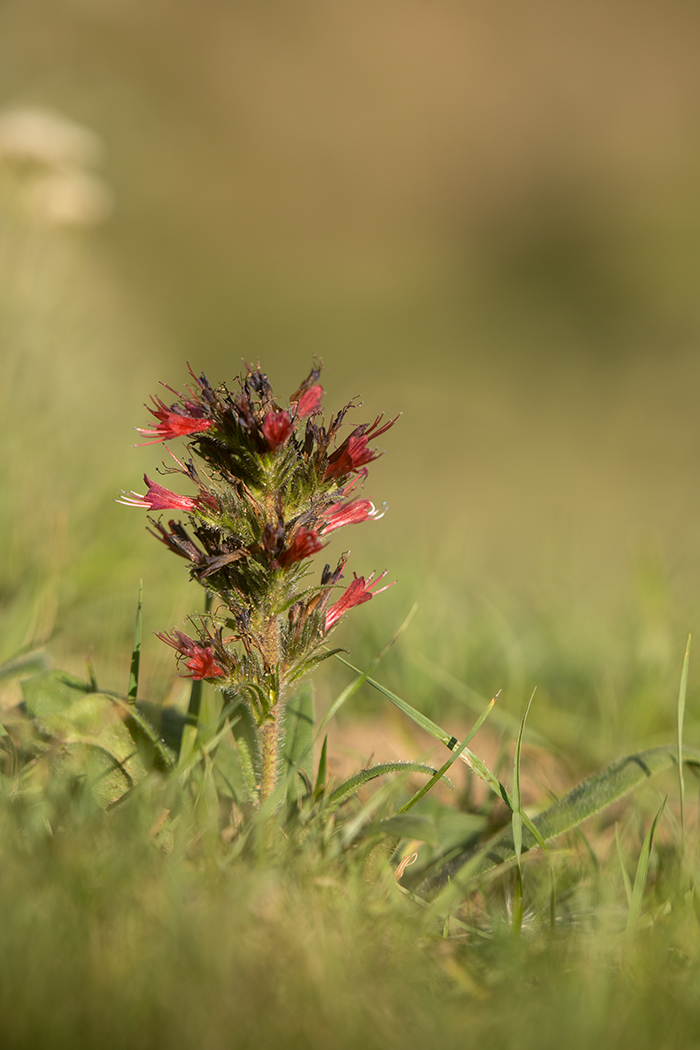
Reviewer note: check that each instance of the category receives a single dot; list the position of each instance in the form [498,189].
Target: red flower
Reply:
[339,514]
[354,452]
[159,498]
[201,659]
[308,402]
[359,591]
[203,664]
[277,428]
[305,543]
[174,424]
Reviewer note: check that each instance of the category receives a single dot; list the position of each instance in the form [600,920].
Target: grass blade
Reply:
[517,822]
[679,721]
[438,733]
[640,878]
[517,819]
[298,749]
[623,866]
[353,785]
[320,786]
[132,691]
[585,800]
[455,755]
[363,676]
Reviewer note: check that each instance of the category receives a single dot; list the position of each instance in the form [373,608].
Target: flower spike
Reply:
[272,484]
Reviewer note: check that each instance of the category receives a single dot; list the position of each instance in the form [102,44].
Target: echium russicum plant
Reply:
[271,484]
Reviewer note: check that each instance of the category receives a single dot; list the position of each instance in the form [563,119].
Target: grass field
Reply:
[163,923]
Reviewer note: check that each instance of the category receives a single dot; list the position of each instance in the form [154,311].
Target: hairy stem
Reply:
[270,740]
[271,728]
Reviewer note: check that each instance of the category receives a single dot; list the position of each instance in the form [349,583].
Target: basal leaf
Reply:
[51,692]
[585,800]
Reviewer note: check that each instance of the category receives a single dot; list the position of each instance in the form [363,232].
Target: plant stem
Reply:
[270,737]
[271,728]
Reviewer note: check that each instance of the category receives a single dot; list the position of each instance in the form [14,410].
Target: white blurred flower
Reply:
[41,136]
[49,157]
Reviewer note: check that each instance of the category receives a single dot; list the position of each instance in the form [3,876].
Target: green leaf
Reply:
[420,719]
[51,692]
[320,786]
[455,755]
[137,715]
[439,733]
[300,669]
[517,820]
[298,748]
[520,818]
[353,785]
[247,768]
[94,723]
[585,800]
[133,689]
[679,722]
[363,676]
[640,878]
[623,866]
[167,723]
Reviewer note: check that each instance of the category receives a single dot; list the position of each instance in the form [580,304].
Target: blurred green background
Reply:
[480,214]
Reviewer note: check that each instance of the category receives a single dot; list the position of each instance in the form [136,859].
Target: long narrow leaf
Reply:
[298,749]
[320,785]
[363,676]
[353,785]
[241,745]
[438,733]
[623,867]
[517,824]
[679,721]
[455,755]
[640,878]
[133,689]
[517,819]
[588,798]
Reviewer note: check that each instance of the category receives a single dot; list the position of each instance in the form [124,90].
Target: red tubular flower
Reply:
[173,424]
[354,452]
[200,659]
[359,591]
[339,514]
[159,498]
[277,428]
[203,664]
[308,402]
[305,543]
